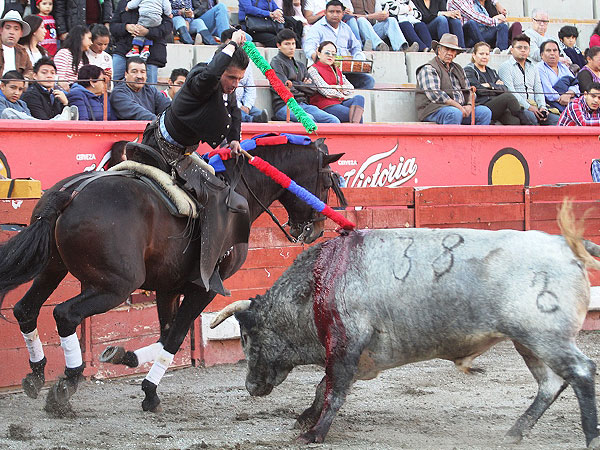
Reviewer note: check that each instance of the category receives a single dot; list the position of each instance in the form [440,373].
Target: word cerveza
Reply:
[372,173]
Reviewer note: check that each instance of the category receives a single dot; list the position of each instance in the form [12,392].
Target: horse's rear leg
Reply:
[68,316]
[26,312]
[194,301]
[167,305]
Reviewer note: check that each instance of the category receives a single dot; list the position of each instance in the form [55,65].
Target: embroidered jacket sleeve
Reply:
[467,12]
[322,86]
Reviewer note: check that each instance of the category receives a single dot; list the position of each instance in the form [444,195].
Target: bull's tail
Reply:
[572,230]
[25,255]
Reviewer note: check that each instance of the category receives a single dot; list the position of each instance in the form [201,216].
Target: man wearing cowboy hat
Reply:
[445,95]
[12,55]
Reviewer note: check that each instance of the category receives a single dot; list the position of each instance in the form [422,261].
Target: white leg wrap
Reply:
[34,346]
[72,350]
[148,353]
[160,366]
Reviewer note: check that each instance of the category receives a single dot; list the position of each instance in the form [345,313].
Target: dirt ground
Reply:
[429,405]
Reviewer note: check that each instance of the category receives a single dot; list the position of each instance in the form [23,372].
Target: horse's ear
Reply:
[319,142]
[328,159]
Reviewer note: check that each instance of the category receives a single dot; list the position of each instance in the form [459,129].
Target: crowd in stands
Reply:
[63,59]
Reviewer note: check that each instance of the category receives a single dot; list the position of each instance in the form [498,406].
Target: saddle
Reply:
[223,215]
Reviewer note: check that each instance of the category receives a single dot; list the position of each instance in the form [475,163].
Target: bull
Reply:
[373,300]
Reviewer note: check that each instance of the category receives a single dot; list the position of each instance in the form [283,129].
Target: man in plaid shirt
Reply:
[444,90]
[583,111]
[478,25]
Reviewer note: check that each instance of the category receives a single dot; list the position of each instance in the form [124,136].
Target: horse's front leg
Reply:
[195,299]
[167,304]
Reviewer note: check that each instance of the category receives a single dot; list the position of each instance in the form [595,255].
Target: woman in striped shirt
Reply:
[72,55]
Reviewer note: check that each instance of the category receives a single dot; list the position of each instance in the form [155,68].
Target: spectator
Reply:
[88,94]
[333,88]
[211,18]
[444,94]
[384,26]
[409,19]
[583,111]
[293,18]
[331,28]
[295,76]
[134,99]
[537,34]
[522,78]
[13,56]
[493,8]
[124,28]
[13,5]
[32,42]
[72,55]
[118,154]
[150,15]
[96,54]
[50,38]
[44,100]
[491,91]
[567,37]
[558,83]
[595,37]
[263,9]
[439,21]
[71,13]
[11,89]
[175,82]
[314,10]
[182,17]
[479,26]
[590,73]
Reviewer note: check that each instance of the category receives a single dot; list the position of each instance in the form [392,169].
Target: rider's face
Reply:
[231,79]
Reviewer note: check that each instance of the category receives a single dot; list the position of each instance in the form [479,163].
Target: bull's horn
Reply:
[230,310]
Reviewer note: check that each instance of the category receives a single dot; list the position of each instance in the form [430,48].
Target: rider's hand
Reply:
[235,148]
[239,37]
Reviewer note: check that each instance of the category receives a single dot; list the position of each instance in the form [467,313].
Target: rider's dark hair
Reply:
[239,59]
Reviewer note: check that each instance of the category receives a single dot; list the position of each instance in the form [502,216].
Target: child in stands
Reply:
[568,45]
[50,40]
[150,15]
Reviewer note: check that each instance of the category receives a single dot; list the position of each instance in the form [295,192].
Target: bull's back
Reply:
[443,293]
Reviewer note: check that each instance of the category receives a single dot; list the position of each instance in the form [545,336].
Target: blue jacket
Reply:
[90,105]
[19,105]
[262,8]
[145,104]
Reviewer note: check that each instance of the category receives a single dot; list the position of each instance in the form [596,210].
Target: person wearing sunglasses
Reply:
[333,88]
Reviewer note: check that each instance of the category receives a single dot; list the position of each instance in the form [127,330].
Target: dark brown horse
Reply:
[117,236]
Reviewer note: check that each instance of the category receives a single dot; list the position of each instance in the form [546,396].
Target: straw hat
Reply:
[14,16]
[447,40]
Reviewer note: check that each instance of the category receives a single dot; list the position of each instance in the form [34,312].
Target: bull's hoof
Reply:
[305,422]
[474,370]
[32,384]
[310,437]
[595,444]
[513,438]
[151,402]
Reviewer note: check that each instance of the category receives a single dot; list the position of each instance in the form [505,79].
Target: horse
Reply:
[115,236]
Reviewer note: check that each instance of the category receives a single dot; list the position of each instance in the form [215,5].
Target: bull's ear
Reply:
[320,142]
[328,159]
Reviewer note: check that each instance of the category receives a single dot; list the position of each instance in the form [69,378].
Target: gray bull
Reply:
[374,300]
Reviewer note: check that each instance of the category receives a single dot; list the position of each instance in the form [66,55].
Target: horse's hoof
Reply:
[113,355]
[152,404]
[56,406]
[310,437]
[512,439]
[32,384]
[304,423]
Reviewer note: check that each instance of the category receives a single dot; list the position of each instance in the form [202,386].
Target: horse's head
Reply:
[306,224]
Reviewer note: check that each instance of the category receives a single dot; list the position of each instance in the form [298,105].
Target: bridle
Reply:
[307,227]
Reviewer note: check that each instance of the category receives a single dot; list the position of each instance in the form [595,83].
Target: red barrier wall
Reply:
[135,324]
[375,155]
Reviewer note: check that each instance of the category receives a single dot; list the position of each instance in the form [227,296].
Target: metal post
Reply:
[105,100]
[473,90]
[287,114]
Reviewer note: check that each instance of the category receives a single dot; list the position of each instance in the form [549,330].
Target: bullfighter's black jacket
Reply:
[200,112]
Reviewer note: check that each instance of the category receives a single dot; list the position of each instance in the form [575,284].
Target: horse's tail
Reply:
[572,230]
[25,255]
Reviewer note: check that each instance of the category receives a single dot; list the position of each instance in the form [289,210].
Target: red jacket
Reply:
[332,76]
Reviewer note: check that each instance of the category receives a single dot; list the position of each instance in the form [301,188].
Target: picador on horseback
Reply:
[205,110]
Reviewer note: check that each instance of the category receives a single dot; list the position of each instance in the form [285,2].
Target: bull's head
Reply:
[267,354]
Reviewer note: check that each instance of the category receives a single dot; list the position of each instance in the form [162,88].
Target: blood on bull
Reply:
[373,300]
